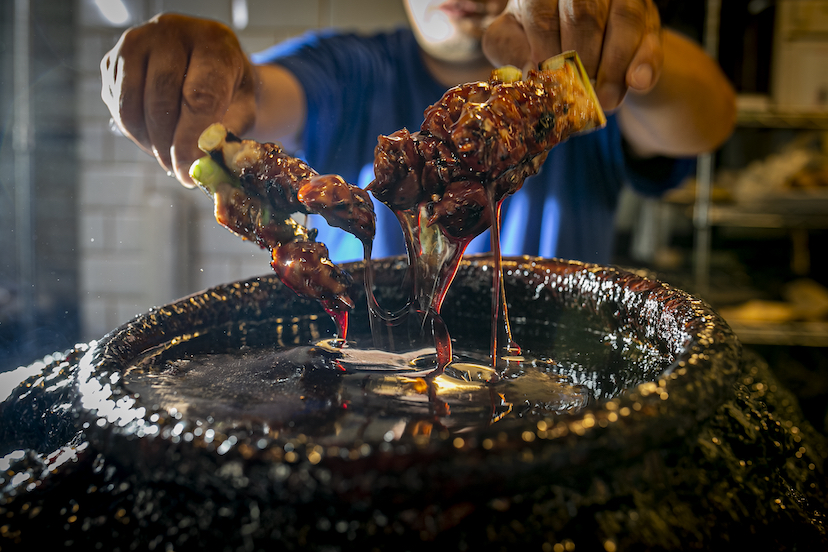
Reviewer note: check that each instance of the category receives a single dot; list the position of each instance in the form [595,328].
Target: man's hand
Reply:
[619,41]
[167,80]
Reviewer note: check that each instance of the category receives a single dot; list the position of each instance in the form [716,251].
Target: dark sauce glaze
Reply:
[89,462]
[446,182]
[367,393]
[256,187]
[211,423]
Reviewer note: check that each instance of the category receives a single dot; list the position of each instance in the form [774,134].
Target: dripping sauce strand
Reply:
[500,310]
[475,147]
[433,261]
[256,187]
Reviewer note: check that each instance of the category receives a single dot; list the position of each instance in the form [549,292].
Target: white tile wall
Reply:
[93,138]
[363,14]
[113,272]
[214,10]
[98,315]
[93,231]
[136,252]
[90,106]
[269,14]
[111,185]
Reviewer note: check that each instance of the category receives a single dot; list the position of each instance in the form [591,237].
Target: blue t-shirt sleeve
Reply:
[356,87]
[331,78]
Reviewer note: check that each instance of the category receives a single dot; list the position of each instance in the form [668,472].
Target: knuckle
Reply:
[131,41]
[160,110]
[634,13]
[545,19]
[215,30]
[585,12]
[166,84]
[201,99]
[167,26]
[130,46]
[164,21]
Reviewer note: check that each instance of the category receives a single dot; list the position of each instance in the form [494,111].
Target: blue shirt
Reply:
[358,87]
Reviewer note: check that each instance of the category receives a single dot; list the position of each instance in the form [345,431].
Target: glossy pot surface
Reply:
[216,419]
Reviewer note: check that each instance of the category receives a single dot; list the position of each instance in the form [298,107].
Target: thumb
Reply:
[505,42]
[645,68]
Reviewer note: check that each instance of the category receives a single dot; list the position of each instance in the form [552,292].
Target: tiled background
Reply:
[38,261]
[145,240]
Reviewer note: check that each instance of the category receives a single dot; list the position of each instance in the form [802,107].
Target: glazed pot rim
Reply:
[701,374]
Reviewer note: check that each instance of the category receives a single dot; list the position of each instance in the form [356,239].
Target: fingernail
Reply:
[642,77]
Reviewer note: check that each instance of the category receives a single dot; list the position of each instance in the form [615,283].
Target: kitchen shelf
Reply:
[803,334]
[811,216]
[817,120]
[797,212]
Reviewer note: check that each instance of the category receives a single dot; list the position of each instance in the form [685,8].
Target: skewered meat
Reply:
[478,144]
[288,184]
[482,136]
[445,183]
[256,187]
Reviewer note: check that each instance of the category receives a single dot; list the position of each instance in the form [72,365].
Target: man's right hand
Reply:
[619,41]
[167,80]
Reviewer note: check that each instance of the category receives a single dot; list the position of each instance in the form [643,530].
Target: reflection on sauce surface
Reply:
[99,465]
[337,394]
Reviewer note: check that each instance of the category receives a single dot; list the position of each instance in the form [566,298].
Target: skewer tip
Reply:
[213,138]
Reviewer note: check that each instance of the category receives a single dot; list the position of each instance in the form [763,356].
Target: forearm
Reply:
[280,107]
[692,108]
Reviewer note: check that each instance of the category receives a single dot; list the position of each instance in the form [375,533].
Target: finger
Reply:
[541,22]
[583,25]
[645,68]
[206,94]
[241,115]
[505,42]
[626,27]
[162,99]
[123,77]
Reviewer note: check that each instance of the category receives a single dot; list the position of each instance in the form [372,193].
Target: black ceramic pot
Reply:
[674,439]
